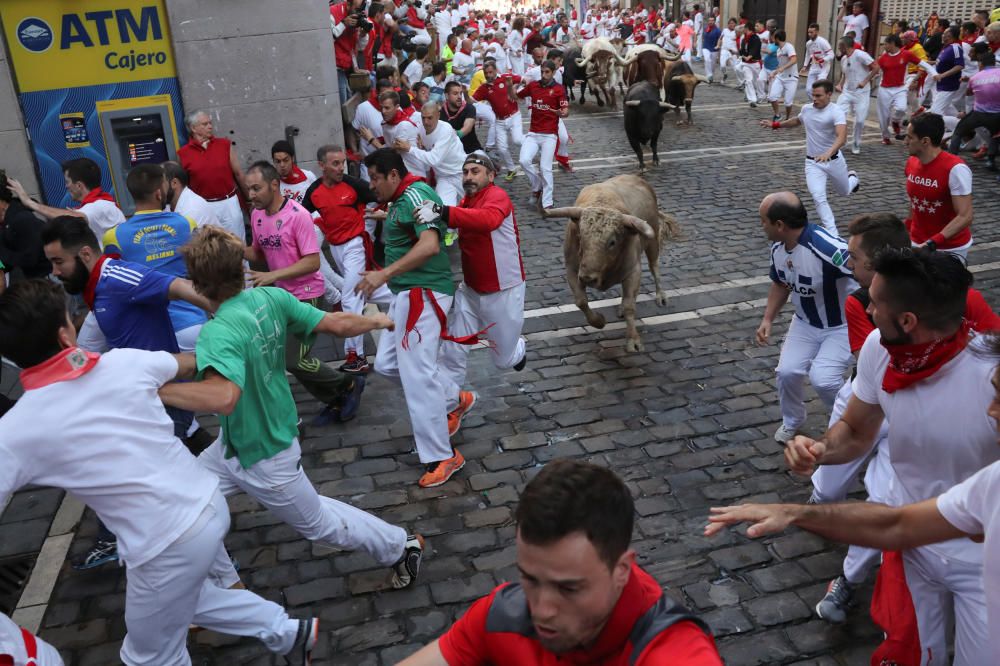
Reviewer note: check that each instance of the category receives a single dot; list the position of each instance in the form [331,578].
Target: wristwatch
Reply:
[931,245]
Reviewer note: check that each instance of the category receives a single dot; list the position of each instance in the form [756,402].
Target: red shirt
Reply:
[510,637]
[345,45]
[545,106]
[496,94]
[210,173]
[931,208]
[489,240]
[341,208]
[894,67]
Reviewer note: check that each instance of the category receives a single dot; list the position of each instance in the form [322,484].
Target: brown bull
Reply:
[603,67]
[646,63]
[679,83]
[611,226]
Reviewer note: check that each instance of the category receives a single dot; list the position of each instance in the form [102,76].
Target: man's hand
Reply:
[763,333]
[803,454]
[17,190]
[824,157]
[427,212]
[365,133]
[564,112]
[261,278]
[863,83]
[401,145]
[766,518]
[375,214]
[370,282]
[383,322]
[351,20]
[766,123]
[839,88]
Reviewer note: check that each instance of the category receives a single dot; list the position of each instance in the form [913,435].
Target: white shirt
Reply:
[857,23]
[765,38]
[116,451]
[515,43]
[101,216]
[856,70]
[442,20]
[818,49]
[442,151]
[729,40]
[816,272]
[973,506]
[467,64]
[699,22]
[939,432]
[821,126]
[12,644]
[785,54]
[366,115]
[298,190]
[498,52]
[192,205]
[414,72]
[406,130]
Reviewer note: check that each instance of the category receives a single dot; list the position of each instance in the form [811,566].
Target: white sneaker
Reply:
[782,435]
[856,149]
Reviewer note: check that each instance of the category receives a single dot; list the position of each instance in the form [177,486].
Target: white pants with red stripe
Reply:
[816,75]
[543,145]
[416,368]
[891,108]
[473,312]
[510,136]
[350,260]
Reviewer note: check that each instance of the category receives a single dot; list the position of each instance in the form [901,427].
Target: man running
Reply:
[819,57]
[892,89]
[856,74]
[439,152]
[784,80]
[508,124]
[548,104]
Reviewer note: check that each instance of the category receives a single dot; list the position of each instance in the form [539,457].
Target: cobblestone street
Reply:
[688,424]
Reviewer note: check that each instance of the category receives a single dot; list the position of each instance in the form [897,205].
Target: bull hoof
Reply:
[621,312]
[596,320]
[661,298]
[656,161]
[600,103]
[634,345]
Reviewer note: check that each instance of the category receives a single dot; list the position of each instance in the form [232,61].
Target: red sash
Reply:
[417,308]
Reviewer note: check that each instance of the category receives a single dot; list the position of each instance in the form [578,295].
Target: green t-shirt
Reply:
[400,233]
[245,343]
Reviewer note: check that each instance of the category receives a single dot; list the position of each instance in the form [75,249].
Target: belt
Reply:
[832,158]
[222,198]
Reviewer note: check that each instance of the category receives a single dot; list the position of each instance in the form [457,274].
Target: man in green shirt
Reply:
[241,372]
[418,273]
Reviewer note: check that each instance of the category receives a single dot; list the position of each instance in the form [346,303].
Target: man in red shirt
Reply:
[582,599]
[548,105]
[939,186]
[344,18]
[508,122]
[892,91]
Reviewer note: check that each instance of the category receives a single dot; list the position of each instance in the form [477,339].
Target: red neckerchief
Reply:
[908,364]
[96,194]
[408,180]
[971,39]
[448,115]
[66,365]
[198,144]
[462,50]
[95,276]
[295,177]
[398,118]
[417,106]
[373,98]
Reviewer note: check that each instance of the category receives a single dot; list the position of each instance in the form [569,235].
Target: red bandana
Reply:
[95,275]
[908,364]
[400,117]
[295,177]
[96,194]
[66,365]
[417,308]
[373,98]
[408,180]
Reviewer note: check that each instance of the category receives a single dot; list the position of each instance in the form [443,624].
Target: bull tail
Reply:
[669,229]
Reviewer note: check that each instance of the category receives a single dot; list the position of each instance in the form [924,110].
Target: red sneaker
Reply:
[439,472]
[466,399]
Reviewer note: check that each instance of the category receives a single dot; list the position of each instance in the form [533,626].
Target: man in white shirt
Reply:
[442,153]
[182,199]
[443,21]
[415,70]
[699,30]
[368,115]
[925,374]
[165,508]
[856,22]
[819,57]
[395,125]
[728,51]
[857,69]
[785,79]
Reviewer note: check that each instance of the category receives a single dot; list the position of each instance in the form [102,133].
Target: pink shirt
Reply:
[283,239]
[985,86]
[684,32]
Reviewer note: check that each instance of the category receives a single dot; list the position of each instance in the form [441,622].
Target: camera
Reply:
[364,25]
[417,4]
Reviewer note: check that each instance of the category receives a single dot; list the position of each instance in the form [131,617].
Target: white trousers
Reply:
[891,104]
[562,149]
[415,366]
[821,353]
[332,281]
[783,89]
[748,73]
[281,485]
[945,590]
[856,102]
[421,36]
[510,136]
[167,594]
[473,312]
[761,82]
[485,115]
[230,216]
[711,60]
[449,188]
[350,259]
[727,59]
[543,145]
[817,175]
[945,102]
[816,75]
[517,64]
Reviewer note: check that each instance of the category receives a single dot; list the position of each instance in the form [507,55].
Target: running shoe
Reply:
[349,407]
[775,119]
[329,414]
[533,198]
[450,237]
[466,399]
[439,472]
[510,176]
[837,600]
[566,166]
[856,149]
[981,153]
[355,364]
[783,434]
[519,366]
[103,552]
[753,105]
[305,641]
[857,181]
[405,571]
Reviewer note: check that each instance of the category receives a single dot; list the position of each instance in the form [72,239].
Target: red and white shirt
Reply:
[930,188]
[495,92]
[489,240]
[894,67]
[546,102]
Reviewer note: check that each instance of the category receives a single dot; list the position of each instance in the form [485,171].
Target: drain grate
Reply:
[14,574]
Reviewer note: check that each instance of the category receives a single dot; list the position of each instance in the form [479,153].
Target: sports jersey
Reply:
[436,89]
[154,238]
[489,240]
[816,273]
[495,93]
[340,206]
[939,431]
[985,87]
[818,53]
[284,238]
[916,49]
[710,40]
[457,118]
[209,172]
[856,69]
[546,102]
[950,56]
[894,67]
[930,188]
[478,79]
[130,303]
[467,64]
[400,233]
[298,182]
[821,126]
[646,628]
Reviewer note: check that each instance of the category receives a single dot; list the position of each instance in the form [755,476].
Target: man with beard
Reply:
[461,115]
[491,295]
[508,129]
[548,104]
[581,599]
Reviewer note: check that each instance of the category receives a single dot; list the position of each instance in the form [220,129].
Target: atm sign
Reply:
[65,44]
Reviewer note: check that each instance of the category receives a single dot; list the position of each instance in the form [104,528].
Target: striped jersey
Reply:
[816,273]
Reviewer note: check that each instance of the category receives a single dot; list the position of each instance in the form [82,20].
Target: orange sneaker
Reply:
[439,472]
[466,399]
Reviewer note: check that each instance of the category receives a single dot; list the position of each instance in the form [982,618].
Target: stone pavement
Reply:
[687,423]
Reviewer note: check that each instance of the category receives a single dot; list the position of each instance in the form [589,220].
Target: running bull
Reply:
[646,62]
[679,83]
[610,227]
[644,119]
[603,69]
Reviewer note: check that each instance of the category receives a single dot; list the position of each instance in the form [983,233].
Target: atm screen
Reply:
[147,150]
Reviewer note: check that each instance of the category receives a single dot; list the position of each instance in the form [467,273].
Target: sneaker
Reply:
[439,472]
[857,181]
[305,641]
[564,164]
[329,414]
[886,141]
[510,176]
[981,153]
[753,105]
[349,407]
[900,136]
[405,571]
[783,434]
[450,237]
[103,552]
[775,119]
[519,366]
[355,364]
[466,399]
[533,198]
[834,604]
[856,149]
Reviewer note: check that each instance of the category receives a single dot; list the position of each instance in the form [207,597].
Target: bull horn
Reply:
[632,102]
[621,61]
[582,62]
[665,55]
[664,105]
[570,211]
[701,79]
[639,225]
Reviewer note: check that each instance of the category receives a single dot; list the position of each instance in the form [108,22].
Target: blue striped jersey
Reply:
[130,303]
[816,272]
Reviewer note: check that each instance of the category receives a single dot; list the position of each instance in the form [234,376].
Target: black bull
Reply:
[644,118]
